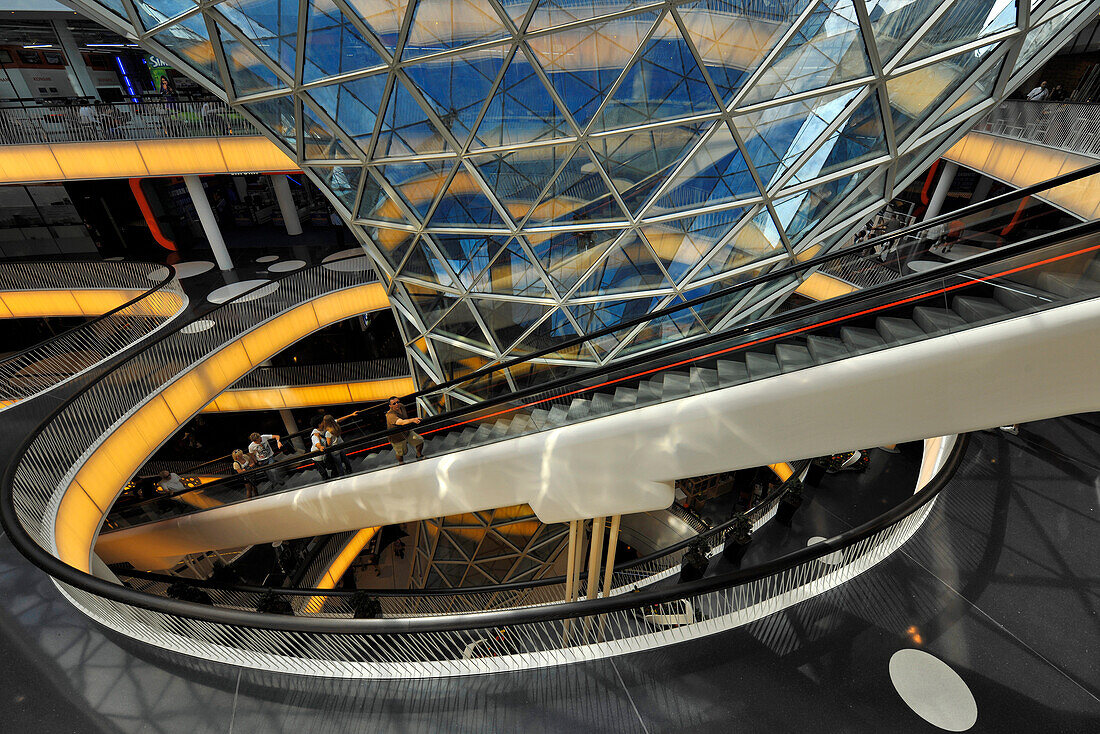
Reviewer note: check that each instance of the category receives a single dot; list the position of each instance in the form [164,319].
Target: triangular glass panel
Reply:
[341,180]
[377,204]
[512,274]
[460,324]
[440,25]
[333,44]
[507,320]
[550,13]
[393,243]
[663,83]
[578,194]
[582,63]
[607,314]
[406,129]
[516,9]
[319,142]
[468,254]
[801,212]
[639,162]
[418,182]
[1037,37]
[567,256]
[249,74]
[715,174]
[277,115]
[384,17]
[270,24]
[662,330]
[525,569]
[465,541]
[966,21]
[629,268]
[827,49]
[551,332]
[776,136]
[712,312]
[464,204]
[733,42]
[155,12]
[456,361]
[521,110]
[115,6]
[680,244]
[893,22]
[859,139]
[456,86]
[914,95]
[423,264]
[430,304]
[977,91]
[518,177]
[757,238]
[188,40]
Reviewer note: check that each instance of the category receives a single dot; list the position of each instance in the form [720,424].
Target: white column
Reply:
[291,426]
[76,70]
[287,206]
[942,187]
[208,222]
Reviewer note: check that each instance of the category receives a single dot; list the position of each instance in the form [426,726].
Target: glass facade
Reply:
[524,171]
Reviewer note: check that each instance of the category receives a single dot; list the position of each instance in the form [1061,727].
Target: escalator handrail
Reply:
[448,420]
[808,264]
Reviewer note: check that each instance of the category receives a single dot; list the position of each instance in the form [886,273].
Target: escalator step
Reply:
[1092,272]
[538,416]
[556,416]
[500,428]
[1068,286]
[761,365]
[898,331]
[702,379]
[520,425]
[824,349]
[579,409]
[625,397]
[937,320]
[600,404]
[861,340]
[1017,301]
[649,392]
[977,309]
[675,385]
[732,372]
[792,357]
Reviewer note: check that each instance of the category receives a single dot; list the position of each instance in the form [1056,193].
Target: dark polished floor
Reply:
[1001,584]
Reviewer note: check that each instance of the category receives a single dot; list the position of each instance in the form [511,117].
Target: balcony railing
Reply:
[1072,127]
[123,121]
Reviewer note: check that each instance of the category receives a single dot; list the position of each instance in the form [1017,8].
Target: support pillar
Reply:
[942,187]
[76,70]
[287,207]
[595,553]
[291,426]
[612,547]
[981,191]
[208,221]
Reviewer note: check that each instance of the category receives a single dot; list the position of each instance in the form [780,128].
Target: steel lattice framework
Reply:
[524,171]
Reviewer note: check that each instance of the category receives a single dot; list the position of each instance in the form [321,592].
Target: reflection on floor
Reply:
[1000,584]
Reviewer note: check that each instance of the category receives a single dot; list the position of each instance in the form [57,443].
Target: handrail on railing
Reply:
[743,286]
[1064,125]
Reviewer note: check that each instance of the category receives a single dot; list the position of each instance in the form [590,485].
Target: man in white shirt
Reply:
[1039,93]
[171,483]
[317,446]
[264,454]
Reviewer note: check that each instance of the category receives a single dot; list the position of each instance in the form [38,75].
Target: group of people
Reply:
[1042,93]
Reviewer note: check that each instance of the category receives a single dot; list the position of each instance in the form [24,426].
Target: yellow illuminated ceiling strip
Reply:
[306,396]
[821,287]
[139,158]
[111,464]
[339,567]
[83,302]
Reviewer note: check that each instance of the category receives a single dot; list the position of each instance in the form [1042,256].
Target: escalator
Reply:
[997,338]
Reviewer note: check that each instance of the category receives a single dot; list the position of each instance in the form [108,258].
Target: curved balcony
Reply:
[1022,310]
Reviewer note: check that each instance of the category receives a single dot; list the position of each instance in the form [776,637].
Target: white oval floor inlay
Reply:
[933,690]
[183,270]
[354,264]
[833,559]
[267,259]
[286,266]
[196,326]
[226,292]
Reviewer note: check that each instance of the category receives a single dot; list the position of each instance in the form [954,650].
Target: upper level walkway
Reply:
[1022,143]
[67,143]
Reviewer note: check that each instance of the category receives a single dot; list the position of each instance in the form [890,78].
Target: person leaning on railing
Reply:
[396,416]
